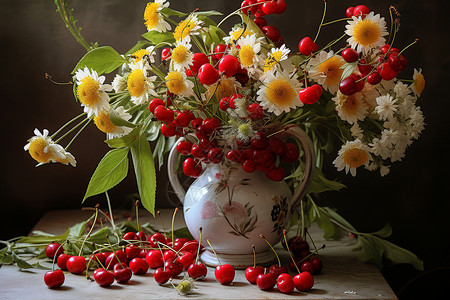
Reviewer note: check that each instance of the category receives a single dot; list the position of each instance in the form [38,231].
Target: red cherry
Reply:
[359,83]
[169,130]
[276,174]
[192,167]
[209,125]
[361,10]
[220,51]
[276,269]
[224,104]
[306,46]
[224,274]
[198,152]
[207,74]
[154,259]
[364,68]
[348,86]
[76,264]
[255,111]
[122,274]
[111,260]
[277,146]
[285,283]
[169,255]
[165,53]
[259,141]
[281,6]
[251,273]
[190,246]
[310,94]
[162,275]
[236,156]
[185,118]
[269,8]
[198,60]
[266,281]
[196,123]
[303,281]
[138,266]
[397,62]
[317,264]
[164,114]
[374,78]
[53,250]
[262,155]
[130,236]
[242,76]
[229,65]
[386,72]
[186,259]
[349,11]
[308,267]
[272,32]
[174,266]
[249,166]
[62,261]
[246,9]
[291,154]
[103,277]
[197,271]
[184,147]
[349,55]
[54,279]
[215,155]
[141,236]
[132,251]
[260,21]
[386,47]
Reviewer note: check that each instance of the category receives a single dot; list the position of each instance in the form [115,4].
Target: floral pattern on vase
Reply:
[279,213]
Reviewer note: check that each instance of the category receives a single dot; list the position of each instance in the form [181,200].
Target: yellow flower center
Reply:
[183,29]
[179,54]
[350,105]
[280,92]
[139,54]
[366,32]
[226,88]
[37,150]
[419,83]
[103,123]
[245,129]
[246,55]
[151,16]
[355,157]
[272,60]
[240,33]
[64,161]
[175,82]
[136,83]
[331,68]
[87,91]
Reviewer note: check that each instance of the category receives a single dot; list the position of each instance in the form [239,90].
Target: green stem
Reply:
[78,133]
[335,21]
[321,22]
[67,124]
[111,218]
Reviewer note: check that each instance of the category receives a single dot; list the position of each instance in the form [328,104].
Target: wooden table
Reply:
[343,275]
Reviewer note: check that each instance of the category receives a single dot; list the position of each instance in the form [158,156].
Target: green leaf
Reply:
[79,229]
[144,168]
[111,170]
[118,121]
[22,264]
[171,12]
[43,239]
[125,140]
[348,69]
[6,259]
[183,233]
[320,184]
[99,237]
[139,45]
[208,13]
[103,60]
[384,232]
[156,37]
[159,150]
[335,216]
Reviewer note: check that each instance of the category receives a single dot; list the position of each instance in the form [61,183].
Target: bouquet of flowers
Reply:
[228,92]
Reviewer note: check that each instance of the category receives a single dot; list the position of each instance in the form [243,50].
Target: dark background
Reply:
[413,198]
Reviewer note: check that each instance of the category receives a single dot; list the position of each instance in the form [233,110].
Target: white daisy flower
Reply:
[104,123]
[325,69]
[386,107]
[384,170]
[153,18]
[356,131]
[370,94]
[178,84]
[148,54]
[416,123]
[181,56]
[39,146]
[189,26]
[119,83]
[237,33]
[248,52]
[351,156]
[276,55]
[64,157]
[92,92]
[366,33]
[351,108]
[401,90]
[139,85]
[279,93]
[419,82]
[379,148]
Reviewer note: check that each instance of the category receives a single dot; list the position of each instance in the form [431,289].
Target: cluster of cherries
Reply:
[141,253]
[265,8]
[387,66]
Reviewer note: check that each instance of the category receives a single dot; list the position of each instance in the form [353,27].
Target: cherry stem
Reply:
[54,255]
[90,230]
[254,256]
[262,236]
[161,222]
[214,252]
[199,244]
[173,221]
[289,251]
[323,18]
[111,218]
[415,42]
[162,254]
[109,243]
[136,205]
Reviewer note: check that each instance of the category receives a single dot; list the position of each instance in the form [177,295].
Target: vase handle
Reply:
[310,162]
[172,172]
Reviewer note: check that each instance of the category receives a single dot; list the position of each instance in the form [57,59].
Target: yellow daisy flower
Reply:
[139,85]
[351,156]
[419,82]
[326,70]
[92,92]
[366,33]
[351,108]
[153,19]
[190,26]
